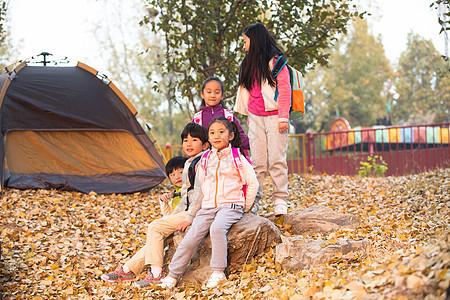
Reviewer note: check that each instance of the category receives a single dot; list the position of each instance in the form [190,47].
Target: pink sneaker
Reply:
[117,275]
[149,280]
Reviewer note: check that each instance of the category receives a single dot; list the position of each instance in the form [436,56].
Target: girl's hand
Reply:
[282,126]
[182,226]
[165,197]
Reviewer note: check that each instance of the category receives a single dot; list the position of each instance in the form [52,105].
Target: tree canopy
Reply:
[423,93]
[354,85]
[443,7]
[203,37]
[2,19]
[132,58]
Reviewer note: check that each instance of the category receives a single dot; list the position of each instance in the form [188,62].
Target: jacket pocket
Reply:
[231,190]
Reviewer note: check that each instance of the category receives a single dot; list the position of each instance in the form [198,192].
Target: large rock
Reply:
[319,219]
[251,236]
[296,253]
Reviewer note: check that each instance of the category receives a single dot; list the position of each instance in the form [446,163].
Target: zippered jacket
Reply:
[220,183]
[207,113]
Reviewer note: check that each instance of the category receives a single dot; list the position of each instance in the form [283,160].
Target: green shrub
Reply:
[374,166]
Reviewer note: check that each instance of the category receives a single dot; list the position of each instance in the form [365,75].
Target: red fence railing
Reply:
[405,149]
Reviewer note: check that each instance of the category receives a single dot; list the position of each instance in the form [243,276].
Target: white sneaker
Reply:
[168,283]
[279,207]
[215,279]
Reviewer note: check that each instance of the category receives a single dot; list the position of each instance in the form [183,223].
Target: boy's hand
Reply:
[182,226]
[165,197]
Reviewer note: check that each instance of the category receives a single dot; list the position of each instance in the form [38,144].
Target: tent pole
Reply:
[154,138]
[157,144]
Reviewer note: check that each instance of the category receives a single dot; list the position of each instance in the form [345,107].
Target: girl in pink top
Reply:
[221,201]
[267,118]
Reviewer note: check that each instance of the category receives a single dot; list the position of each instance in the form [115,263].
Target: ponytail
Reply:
[236,142]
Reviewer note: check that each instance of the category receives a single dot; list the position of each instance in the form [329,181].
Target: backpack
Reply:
[237,164]
[191,177]
[227,113]
[296,80]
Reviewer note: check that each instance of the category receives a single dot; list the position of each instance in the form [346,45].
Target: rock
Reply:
[319,219]
[251,236]
[296,253]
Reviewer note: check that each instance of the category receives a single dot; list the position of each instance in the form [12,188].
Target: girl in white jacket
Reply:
[219,189]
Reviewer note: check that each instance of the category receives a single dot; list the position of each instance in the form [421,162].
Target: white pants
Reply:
[268,149]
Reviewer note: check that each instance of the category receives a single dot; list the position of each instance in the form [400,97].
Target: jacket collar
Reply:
[223,151]
[213,109]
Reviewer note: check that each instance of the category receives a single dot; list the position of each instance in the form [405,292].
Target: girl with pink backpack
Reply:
[220,201]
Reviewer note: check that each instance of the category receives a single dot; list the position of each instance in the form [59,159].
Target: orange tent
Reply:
[67,128]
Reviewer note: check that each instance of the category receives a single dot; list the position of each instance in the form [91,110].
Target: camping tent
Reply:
[69,128]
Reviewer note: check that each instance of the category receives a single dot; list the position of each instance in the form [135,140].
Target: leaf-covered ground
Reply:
[55,245]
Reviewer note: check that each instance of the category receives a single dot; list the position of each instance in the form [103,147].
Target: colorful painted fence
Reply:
[405,149]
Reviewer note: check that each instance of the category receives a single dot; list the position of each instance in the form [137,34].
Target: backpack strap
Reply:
[238,163]
[191,172]
[228,114]
[204,159]
[239,167]
[279,64]
[191,177]
[198,118]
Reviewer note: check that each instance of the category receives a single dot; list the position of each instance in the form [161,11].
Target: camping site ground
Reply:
[55,245]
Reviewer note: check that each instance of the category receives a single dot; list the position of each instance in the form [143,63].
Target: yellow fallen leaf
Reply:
[46,282]
[414,282]
[296,297]
[356,288]
[69,291]
[402,269]
[441,274]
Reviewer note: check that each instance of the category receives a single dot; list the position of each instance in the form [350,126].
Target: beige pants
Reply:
[153,251]
[268,149]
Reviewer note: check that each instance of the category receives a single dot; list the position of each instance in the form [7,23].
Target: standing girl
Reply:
[267,118]
[212,107]
[221,201]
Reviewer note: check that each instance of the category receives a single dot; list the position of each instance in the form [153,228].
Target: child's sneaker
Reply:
[149,280]
[215,279]
[117,275]
[168,283]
